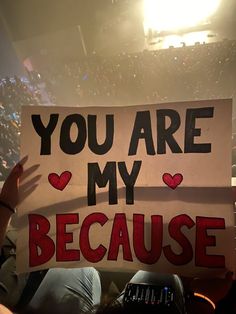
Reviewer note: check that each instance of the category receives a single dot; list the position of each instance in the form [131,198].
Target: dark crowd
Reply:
[203,71]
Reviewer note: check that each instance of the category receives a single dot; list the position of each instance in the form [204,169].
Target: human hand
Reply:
[10,190]
[9,194]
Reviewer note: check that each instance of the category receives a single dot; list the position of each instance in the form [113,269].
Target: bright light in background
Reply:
[166,15]
[189,39]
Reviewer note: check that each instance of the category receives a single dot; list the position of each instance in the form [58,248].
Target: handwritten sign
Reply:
[141,187]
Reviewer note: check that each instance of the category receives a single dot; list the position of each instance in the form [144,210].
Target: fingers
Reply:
[29,183]
[26,192]
[23,160]
[17,170]
[10,189]
[28,187]
[29,171]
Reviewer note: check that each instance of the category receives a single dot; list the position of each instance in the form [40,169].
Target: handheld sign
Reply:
[141,187]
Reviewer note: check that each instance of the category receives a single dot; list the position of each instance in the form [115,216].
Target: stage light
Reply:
[171,15]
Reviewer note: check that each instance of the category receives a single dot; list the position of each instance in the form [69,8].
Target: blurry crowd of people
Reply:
[203,71]
[13,94]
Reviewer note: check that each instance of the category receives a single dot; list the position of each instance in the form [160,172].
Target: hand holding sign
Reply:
[11,190]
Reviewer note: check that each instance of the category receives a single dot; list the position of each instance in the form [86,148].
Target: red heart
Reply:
[59,182]
[172,181]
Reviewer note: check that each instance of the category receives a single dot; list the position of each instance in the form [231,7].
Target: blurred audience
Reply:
[189,73]
[203,71]
[13,94]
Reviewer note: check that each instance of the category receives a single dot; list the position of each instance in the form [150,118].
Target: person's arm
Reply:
[9,199]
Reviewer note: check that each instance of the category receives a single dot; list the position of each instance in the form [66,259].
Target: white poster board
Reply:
[141,187]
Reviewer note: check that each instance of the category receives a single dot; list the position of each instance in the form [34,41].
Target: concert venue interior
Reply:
[114,53]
